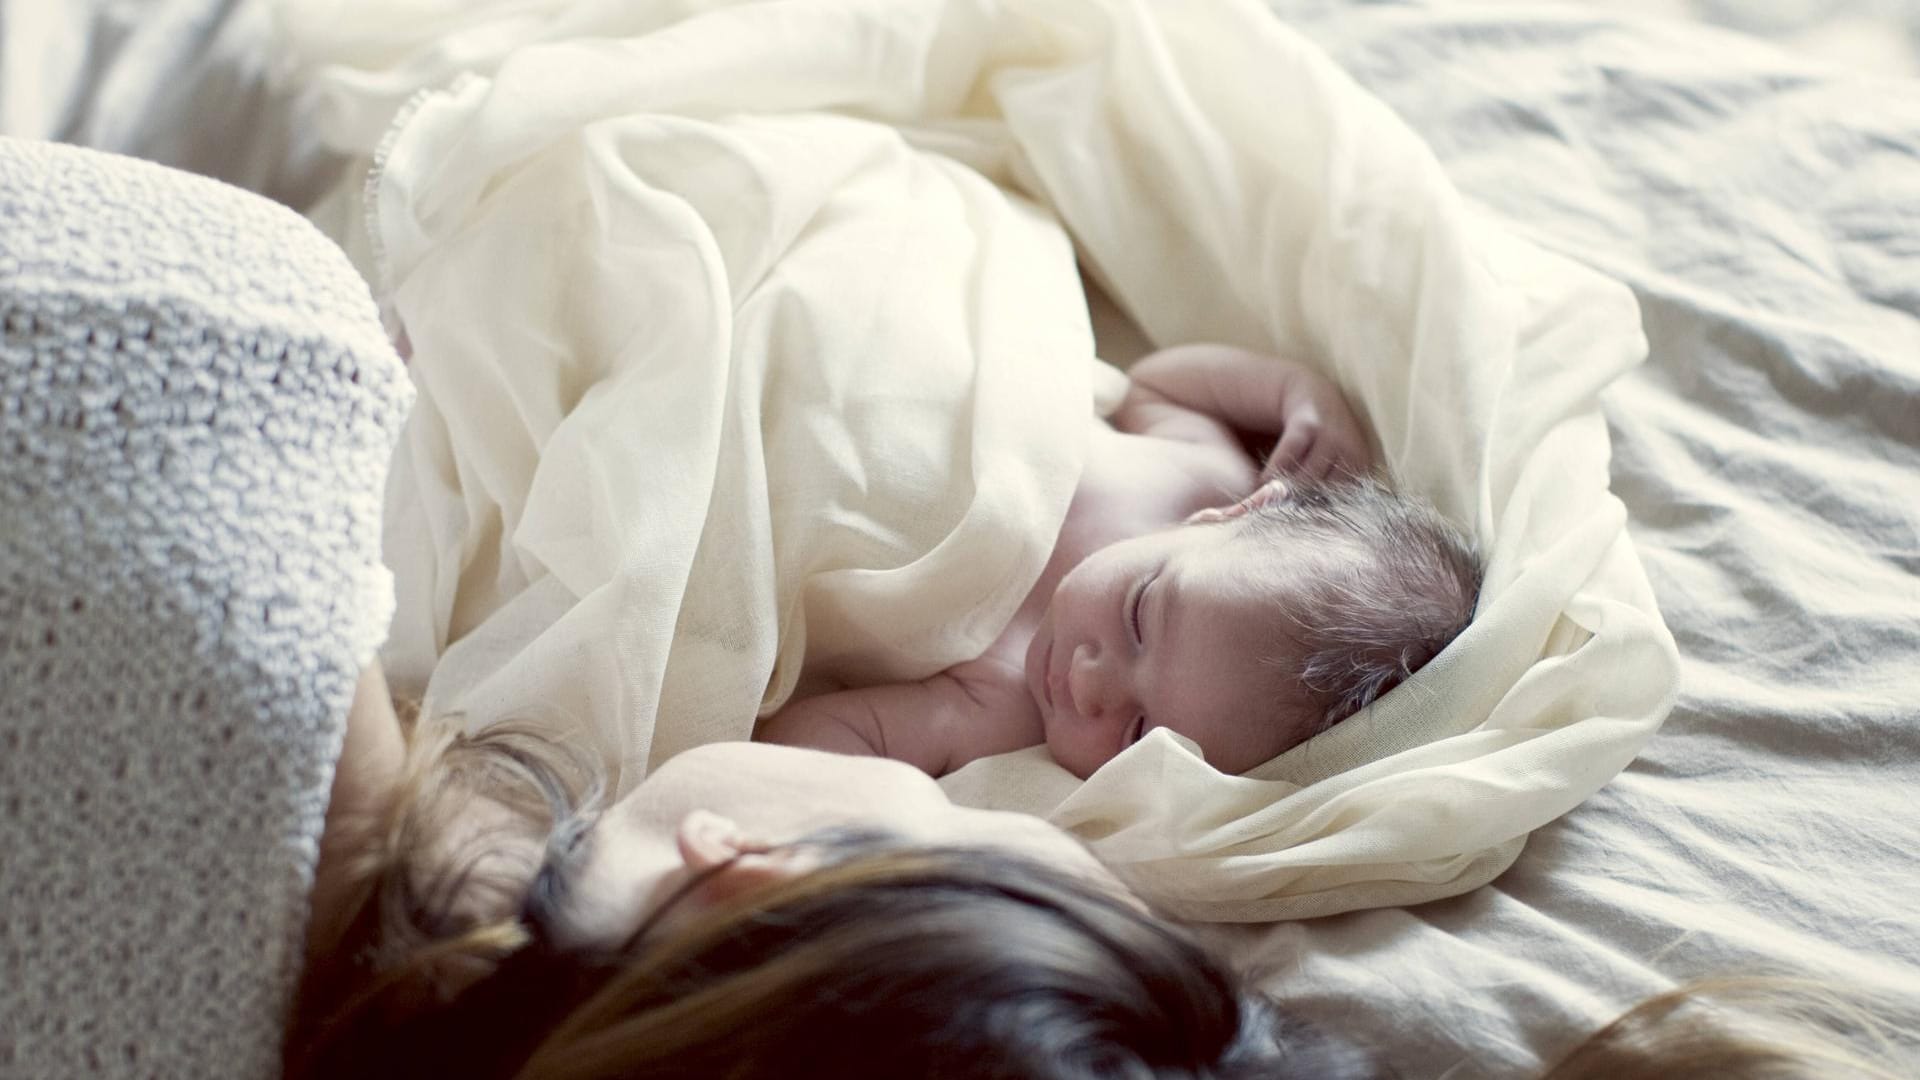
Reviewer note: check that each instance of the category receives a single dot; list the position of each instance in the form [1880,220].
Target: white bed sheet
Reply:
[1767,215]
[182,82]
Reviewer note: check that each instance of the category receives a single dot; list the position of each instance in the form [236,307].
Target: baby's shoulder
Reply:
[1139,483]
[999,712]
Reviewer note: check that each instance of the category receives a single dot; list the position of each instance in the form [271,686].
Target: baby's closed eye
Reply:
[1136,608]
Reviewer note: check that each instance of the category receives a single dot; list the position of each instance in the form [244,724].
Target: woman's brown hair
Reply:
[889,960]
[1755,1028]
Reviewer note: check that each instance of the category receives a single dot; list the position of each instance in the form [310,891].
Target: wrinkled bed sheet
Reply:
[1763,213]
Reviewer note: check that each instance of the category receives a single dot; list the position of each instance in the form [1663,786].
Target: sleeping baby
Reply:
[1246,605]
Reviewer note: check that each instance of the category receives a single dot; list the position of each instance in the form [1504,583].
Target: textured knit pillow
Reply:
[197,406]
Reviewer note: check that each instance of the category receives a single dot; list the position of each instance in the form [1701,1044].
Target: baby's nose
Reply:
[1091,684]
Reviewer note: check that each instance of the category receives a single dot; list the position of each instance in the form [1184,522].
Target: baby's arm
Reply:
[1208,393]
[936,724]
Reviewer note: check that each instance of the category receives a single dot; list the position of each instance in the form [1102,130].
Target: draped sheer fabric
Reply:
[751,346]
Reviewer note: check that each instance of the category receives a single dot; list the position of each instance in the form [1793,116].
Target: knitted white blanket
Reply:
[197,407]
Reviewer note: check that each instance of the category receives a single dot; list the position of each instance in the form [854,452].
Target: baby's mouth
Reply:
[1046,676]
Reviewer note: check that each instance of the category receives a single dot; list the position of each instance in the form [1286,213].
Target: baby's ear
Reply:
[1270,492]
[735,863]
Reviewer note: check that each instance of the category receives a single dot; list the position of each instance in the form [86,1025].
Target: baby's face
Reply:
[1174,629]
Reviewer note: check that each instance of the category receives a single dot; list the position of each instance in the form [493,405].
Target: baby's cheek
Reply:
[1073,751]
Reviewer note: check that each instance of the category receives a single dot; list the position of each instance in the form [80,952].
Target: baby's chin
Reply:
[1060,746]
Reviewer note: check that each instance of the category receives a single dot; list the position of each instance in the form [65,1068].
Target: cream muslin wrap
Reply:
[749,340]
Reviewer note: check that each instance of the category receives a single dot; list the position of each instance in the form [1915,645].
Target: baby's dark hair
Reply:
[1386,583]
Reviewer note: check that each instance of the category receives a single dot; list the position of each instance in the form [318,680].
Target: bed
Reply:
[1758,207]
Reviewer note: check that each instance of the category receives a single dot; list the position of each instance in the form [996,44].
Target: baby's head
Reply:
[1249,629]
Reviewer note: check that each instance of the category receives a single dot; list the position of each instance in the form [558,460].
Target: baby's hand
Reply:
[1257,396]
[1320,437]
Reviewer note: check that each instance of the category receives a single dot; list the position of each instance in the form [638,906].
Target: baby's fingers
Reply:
[1290,454]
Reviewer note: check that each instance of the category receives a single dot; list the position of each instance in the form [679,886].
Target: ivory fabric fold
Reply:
[752,350]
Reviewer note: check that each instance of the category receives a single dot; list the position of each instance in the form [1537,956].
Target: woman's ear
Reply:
[1270,492]
[733,863]
[707,840]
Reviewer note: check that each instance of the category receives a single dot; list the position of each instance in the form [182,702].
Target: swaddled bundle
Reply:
[751,348]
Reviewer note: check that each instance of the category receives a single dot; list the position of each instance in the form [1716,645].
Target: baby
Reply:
[1246,627]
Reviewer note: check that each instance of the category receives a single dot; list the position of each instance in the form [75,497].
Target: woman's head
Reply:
[728,814]
[703,947]
[882,961]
